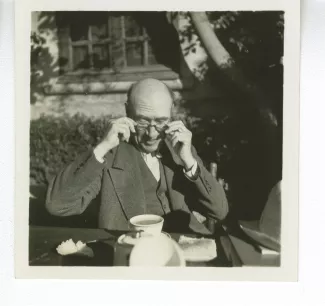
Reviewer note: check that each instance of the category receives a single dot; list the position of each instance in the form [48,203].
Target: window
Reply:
[102,41]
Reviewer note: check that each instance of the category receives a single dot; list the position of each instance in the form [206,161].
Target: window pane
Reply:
[100,56]
[116,54]
[118,60]
[116,29]
[80,57]
[151,56]
[99,31]
[78,25]
[79,32]
[132,29]
[134,54]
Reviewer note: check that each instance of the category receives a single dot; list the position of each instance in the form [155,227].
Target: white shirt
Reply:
[152,162]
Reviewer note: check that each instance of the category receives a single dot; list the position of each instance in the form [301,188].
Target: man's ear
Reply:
[127,109]
[128,103]
[173,111]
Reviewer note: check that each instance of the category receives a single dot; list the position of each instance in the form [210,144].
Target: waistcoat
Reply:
[156,193]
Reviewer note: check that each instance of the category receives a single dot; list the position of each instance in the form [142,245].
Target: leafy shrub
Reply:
[55,141]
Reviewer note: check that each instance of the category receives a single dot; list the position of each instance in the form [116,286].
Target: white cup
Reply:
[150,224]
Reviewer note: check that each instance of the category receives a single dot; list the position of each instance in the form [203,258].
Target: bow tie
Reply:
[153,154]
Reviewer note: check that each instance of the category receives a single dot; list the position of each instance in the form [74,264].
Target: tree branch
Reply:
[226,64]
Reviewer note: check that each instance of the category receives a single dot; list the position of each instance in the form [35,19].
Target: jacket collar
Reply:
[126,179]
[124,154]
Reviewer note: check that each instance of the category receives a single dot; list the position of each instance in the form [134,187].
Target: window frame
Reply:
[103,80]
[109,42]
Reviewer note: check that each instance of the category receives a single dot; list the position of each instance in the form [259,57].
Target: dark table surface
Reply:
[44,240]
[233,248]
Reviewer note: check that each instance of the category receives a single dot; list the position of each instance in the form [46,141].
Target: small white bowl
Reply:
[151,224]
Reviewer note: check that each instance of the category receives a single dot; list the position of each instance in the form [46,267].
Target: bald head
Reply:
[149,93]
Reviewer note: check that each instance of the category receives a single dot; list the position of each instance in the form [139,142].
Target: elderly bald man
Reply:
[145,164]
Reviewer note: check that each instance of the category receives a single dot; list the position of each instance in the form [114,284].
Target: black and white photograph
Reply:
[156,138]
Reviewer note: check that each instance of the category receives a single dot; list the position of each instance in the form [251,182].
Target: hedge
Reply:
[55,141]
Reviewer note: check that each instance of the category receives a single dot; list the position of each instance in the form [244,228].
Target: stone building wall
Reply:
[50,97]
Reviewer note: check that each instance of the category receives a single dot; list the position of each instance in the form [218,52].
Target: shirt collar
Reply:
[153,154]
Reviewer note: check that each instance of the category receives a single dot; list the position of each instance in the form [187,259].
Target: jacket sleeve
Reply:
[208,194]
[73,188]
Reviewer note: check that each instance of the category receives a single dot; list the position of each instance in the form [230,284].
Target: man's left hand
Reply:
[181,140]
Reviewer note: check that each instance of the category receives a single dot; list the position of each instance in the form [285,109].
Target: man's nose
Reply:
[152,132]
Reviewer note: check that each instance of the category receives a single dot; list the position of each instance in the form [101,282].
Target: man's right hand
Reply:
[118,130]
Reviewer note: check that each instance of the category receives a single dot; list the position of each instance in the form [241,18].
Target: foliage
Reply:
[43,65]
[251,38]
[254,41]
[37,42]
[55,141]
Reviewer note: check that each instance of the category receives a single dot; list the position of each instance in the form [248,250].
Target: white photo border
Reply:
[289,257]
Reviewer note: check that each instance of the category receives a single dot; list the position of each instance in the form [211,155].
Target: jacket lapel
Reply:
[127,181]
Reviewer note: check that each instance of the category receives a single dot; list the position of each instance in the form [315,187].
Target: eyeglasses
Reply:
[143,124]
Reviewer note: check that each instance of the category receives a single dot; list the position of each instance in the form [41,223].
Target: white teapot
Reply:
[156,251]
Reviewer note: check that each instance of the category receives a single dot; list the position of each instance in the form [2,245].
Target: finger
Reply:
[127,134]
[130,122]
[124,131]
[179,127]
[174,142]
[126,119]
[125,124]
[181,137]
[175,139]
[175,122]
[172,133]
[121,125]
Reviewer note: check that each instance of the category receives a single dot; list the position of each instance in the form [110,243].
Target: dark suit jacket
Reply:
[117,185]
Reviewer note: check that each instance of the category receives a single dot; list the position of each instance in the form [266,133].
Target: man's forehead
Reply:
[151,108]
[149,88]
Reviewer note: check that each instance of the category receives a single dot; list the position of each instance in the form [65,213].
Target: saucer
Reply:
[166,234]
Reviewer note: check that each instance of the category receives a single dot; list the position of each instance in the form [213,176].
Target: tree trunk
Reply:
[226,64]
